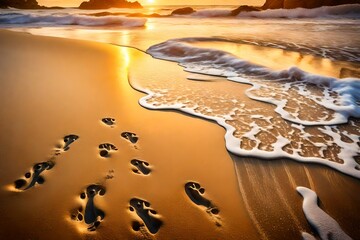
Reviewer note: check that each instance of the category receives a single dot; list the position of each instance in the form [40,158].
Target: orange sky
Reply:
[72,3]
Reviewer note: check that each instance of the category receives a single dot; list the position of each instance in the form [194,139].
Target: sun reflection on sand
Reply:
[125,56]
[150,26]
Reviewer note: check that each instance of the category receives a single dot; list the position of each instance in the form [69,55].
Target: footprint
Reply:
[147,215]
[34,176]
[106,148]
[132,137]
[68,140]
[89,213]
[141,167]
[195,192]
[109,121]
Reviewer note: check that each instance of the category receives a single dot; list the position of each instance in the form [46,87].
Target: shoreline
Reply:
[71,85]
[172,166]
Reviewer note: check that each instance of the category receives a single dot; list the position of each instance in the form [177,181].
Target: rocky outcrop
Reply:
[244,8]
[290,4]
[105,4]
[23,4]
[183,11]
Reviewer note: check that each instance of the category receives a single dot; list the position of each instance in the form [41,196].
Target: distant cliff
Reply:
[23,4]
[105,4]
[290,4]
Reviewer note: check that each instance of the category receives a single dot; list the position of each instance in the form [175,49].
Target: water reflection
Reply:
[280,59]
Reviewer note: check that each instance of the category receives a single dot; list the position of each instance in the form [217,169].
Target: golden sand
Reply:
[52,87]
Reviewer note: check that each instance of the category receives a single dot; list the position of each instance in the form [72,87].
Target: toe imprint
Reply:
[196,193]
[68,140]
[131,137]
[34,176]
[106,148]
[148,215]
[108,121]
[89,213]
[141,167]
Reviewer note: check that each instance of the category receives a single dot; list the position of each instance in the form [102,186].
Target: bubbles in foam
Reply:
[325,226]
[294,115]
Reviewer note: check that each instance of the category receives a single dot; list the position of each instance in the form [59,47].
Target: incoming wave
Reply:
[302,126]
[69,19]
[341,11]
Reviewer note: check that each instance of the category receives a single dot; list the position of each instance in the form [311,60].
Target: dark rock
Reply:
[23,4]
[244,8]
[105,4]
[183,11]
[290,4]
[153,15]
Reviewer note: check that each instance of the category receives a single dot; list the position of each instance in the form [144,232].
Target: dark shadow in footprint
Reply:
[68,140]
[132,137]
[108,121]
[195,192]
[141,167]
[91,215]
[106,148]
[147,214]
[34,175]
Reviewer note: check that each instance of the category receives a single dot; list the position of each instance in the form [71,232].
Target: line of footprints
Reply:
[92,215]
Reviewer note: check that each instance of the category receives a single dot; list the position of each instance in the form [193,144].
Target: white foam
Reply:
[307,236]
[341,11]
[210,61]
[325,226]
[216,62]
[69,19]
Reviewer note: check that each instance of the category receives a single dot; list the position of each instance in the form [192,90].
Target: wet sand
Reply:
[51,88]
[55,87]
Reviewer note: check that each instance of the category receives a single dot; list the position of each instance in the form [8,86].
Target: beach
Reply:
[82,83]
[56,87]
[118,127]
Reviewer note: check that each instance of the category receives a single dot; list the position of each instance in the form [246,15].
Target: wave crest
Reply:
[67,19]
[302,126]
[341,11]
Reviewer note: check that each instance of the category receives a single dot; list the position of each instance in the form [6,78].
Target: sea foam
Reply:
[217,62]
[69,19]
[307,107]
[341,11]
[325,226]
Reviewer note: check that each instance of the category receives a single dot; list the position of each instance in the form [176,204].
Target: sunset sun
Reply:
[150,1]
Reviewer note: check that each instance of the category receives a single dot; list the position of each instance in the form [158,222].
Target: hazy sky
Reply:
[72,3]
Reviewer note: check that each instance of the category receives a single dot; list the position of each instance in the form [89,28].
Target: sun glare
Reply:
[150,1]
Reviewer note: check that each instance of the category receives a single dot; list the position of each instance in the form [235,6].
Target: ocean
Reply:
[299,71]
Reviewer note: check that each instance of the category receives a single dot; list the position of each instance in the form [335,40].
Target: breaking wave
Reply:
[342,11]
[69,19]
[315,118]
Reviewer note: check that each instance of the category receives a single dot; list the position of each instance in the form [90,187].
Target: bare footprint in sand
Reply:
[196,193]
[34,176]
[147,215]
[88,212]
[66,142]
[131,137]
[140,167]
[109,121]
[106,148]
